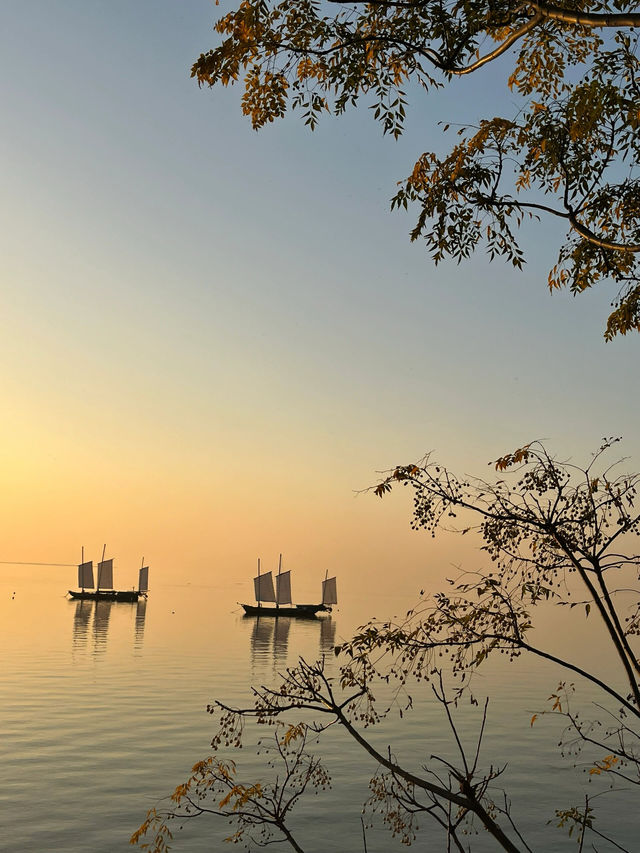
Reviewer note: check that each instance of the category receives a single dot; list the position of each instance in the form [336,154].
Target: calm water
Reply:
[103,713]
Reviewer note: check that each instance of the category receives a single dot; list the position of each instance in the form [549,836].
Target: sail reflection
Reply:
[281,640]
[92,618]
[261,637]
[101,616]
[327,636]
[141,612]
[81,619]
[274,639]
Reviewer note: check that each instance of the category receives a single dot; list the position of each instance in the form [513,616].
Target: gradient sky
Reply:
[211,338]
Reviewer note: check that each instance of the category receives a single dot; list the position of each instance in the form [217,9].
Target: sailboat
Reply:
[103,589]
[277,602]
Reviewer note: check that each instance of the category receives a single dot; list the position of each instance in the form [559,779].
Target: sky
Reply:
[214,339]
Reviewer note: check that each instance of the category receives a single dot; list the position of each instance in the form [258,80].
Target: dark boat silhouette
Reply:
[281,596]
[103,589]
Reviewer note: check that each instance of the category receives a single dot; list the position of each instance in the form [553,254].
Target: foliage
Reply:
[553,534]
[569,151]
[257,811]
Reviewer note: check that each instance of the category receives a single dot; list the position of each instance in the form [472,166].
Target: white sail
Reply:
[264,587]
[143,579]
[329,591]
[105,574]
[85,575]
[283,588]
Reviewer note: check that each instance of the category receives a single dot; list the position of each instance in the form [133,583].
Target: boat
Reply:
[103,589]
[277,602]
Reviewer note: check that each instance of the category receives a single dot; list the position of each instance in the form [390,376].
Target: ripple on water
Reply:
[104,713]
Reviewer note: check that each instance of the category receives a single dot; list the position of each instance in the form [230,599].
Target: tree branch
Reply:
[587,19]
[502,48]
[589,235]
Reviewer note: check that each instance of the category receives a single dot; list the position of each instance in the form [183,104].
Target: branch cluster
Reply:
[549,529]
[571,151]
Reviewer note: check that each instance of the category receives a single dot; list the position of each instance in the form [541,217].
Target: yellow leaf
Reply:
[293,732]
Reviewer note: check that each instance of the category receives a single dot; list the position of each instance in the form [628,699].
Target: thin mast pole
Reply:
[278,583]
[104,548]
[258,582]
[82,563]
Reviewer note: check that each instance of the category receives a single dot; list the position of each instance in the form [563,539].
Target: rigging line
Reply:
[18,563]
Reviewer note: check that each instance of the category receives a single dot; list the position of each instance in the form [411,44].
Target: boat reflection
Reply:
[281,641]
[273,640]
[327,636]
[261,639]
[101,616]
[92,619]
[141,612]
[81,620]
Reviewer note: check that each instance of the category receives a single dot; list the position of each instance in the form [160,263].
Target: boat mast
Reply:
[278,583]
[104,548]
[258,581]
[81,563]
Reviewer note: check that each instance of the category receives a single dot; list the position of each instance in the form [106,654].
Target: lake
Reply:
[103,714]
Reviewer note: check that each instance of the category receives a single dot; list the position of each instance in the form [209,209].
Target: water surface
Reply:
[103,713]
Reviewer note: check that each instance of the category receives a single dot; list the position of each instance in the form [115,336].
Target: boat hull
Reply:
[298,611]
[108,595]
